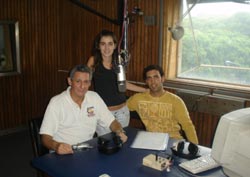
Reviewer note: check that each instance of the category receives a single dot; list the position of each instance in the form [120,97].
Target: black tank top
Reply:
[105,84]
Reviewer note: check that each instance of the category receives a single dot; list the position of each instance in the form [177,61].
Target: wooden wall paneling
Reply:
[55,35]
[154,31]
[81,35]
[37,59]
[72,32]
[147,40]
[205,125]
[156,35]
[134,42]
[196,122]
[36,83]
[9,106]
[10,101]
[26,53]
[151,44]
[42,72]
[144,37]
[66,35]
[139,41]
[213,122]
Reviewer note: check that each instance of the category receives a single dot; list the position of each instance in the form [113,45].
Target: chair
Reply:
[135,121]
[38,148]
[34,126]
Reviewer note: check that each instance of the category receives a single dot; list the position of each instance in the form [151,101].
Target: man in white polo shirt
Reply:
[72,116]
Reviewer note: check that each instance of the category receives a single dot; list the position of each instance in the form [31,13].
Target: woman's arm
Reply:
[90,62]
[135,88]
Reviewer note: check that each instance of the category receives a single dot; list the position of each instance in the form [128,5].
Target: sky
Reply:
[222,8]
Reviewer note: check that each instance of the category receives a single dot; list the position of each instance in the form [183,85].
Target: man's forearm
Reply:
[191,135]
[117,128]
[48,142]
[58,147]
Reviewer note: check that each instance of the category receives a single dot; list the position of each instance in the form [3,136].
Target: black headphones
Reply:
[179,147]
[109,147]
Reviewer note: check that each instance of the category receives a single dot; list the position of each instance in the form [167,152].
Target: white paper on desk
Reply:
[150,140]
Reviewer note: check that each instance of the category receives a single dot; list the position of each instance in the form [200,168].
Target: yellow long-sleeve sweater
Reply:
[163,114]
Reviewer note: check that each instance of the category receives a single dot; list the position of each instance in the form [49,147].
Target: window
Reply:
[9,48]
[216,43]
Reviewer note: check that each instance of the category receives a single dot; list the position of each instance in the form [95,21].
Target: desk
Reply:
[125,163]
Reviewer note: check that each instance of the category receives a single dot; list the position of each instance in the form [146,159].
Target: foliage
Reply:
[219,49]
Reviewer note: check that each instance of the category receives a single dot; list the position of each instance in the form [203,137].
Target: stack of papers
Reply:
[150,140]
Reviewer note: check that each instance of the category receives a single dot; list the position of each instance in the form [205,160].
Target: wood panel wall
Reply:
[205,125]
[56,35]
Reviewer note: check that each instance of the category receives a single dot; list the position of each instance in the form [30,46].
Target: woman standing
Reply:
[105,53]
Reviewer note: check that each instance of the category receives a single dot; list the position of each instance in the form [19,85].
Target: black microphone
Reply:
[121,77]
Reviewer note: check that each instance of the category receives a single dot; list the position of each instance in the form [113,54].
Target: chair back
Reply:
[34,126]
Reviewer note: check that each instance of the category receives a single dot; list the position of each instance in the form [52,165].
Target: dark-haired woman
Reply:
[105,53]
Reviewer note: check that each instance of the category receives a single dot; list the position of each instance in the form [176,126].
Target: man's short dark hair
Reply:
[80,68]
[152,67]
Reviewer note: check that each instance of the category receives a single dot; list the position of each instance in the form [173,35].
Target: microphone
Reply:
[121,77]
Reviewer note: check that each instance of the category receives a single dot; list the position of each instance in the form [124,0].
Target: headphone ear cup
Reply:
[117,140]
[180,146]
[186,150]
[109,147]
[102,141]
[193,148]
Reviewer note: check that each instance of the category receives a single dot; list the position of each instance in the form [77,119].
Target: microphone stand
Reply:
[123,55]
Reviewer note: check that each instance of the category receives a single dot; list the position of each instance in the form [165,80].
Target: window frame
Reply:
[170,60]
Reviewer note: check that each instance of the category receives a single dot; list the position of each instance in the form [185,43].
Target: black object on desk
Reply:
[127,162]
[109,146]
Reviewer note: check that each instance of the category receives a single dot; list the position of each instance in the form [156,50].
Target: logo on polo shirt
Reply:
[90,111]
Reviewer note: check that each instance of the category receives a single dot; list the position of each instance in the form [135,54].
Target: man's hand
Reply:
[63,148]
[58,147]
[123,136]
[117,128]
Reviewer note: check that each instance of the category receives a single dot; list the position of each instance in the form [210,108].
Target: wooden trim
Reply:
[170,46]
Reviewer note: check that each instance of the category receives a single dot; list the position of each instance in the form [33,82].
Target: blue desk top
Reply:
[125,163]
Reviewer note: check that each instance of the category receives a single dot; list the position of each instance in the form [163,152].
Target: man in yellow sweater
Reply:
[161,111]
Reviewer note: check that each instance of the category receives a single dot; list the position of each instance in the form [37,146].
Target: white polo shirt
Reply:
[66,122]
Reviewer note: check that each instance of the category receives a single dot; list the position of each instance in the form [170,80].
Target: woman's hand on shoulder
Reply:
[90,62]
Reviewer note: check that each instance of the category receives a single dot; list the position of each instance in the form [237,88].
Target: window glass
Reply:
[216,43]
